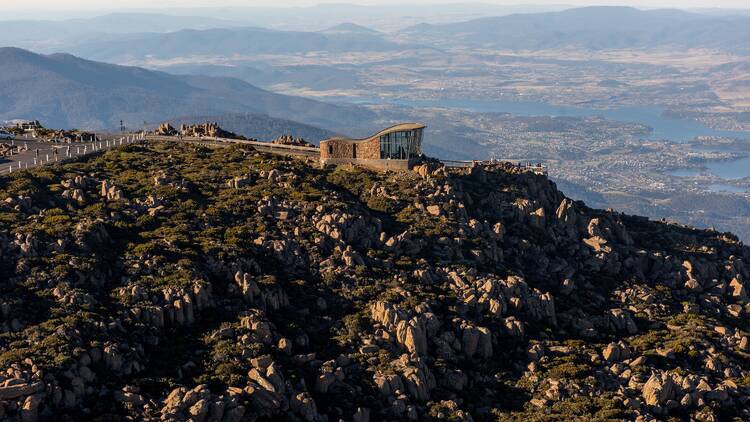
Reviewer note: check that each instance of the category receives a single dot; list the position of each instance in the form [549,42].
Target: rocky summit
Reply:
[176,282]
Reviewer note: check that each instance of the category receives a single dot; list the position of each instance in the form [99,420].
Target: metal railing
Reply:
[82,149]
[537,168]
[69,152]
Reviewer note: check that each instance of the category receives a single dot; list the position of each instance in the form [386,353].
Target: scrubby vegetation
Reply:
[181,281]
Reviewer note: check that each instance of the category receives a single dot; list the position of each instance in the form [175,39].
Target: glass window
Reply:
[401,145]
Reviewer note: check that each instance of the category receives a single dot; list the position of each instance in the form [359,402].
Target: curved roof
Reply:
[397,128]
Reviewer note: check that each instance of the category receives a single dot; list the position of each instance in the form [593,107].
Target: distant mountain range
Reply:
[228,42]
[594,28]
[65,91]
[385,17]
[115,23]
[59,35]
[196,41]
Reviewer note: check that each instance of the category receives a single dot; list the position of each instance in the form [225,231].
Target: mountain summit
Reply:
[174,281]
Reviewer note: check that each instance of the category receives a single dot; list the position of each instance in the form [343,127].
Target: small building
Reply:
[396,148]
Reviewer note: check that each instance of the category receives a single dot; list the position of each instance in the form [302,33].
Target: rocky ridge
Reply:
[181,282]
[208,129]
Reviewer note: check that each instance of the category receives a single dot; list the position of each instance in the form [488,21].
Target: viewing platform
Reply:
[396,148]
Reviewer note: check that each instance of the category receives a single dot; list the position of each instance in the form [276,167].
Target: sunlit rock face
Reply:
[182,282]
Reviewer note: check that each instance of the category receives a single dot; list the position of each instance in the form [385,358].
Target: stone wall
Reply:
[374,164]
[343,148]
[341,151]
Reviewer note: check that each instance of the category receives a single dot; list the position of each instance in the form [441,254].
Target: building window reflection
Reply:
[402,145]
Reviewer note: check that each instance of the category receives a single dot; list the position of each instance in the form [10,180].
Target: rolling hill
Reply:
[65,91]
[349,28]
[223,42]
[593,28]
[51,36]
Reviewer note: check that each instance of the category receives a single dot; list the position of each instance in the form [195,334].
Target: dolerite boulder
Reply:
[208,129]
[173,281]
[291,140]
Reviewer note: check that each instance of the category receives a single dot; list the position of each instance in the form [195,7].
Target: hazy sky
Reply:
[108,4]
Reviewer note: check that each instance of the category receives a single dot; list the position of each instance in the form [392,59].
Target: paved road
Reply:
[39,153]
[35,152]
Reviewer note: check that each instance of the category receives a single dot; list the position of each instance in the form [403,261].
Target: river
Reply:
[676,130]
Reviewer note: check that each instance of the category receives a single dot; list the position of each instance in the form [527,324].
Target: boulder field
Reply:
[175,282]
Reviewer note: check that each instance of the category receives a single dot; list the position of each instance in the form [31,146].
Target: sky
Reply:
[8,5]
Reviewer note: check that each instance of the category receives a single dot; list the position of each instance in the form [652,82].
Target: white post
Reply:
[10,169]
[34,160]
[26,164]
[48,158]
